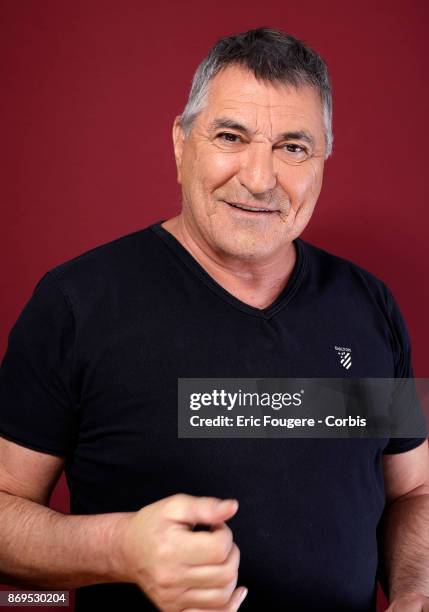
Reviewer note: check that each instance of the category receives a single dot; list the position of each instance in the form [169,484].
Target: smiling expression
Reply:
[251,167]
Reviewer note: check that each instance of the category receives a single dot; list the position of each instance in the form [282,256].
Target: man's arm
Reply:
[154,548]
[405,527]
[42,548]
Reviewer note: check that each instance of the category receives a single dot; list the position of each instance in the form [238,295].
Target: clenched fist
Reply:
[180,569]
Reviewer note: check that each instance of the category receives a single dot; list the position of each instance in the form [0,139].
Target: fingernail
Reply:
[243,596]
[228,501]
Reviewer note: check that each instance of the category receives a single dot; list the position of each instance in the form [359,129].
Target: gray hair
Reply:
[271,55]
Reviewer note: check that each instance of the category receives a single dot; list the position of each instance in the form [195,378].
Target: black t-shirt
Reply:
[91,374]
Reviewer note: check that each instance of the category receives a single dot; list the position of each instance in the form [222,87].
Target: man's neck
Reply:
[257,284]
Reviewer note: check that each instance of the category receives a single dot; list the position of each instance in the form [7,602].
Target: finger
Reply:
[233,605]
[207,598]
[188,509]
[203,547]
[237,599]
[211,576]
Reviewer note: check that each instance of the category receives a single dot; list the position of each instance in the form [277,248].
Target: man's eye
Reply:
[294,148]
[228,137]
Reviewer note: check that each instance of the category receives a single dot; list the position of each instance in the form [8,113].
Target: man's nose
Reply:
[257,172]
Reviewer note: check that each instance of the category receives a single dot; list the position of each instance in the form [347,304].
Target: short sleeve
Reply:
[401,347]
[36,398]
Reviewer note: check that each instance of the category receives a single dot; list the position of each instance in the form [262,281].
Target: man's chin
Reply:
[245,248]
[245,239]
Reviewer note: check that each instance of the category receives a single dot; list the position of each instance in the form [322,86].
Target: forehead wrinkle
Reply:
[262,117]
[252,121]
[227,91]
[235,122]
[268,133]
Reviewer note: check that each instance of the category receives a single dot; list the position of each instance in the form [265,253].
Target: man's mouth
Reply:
[253,209]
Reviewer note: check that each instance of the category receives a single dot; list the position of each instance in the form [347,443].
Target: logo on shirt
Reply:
[345,355]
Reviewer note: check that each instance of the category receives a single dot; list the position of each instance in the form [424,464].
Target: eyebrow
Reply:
[226,123]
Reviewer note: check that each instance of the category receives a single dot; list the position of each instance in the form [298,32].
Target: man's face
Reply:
[259,145]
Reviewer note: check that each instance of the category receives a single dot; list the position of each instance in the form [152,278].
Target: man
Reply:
[224,289]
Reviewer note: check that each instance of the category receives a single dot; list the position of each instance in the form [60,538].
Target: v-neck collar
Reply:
[279,303]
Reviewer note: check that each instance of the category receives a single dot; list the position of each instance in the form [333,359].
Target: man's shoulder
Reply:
[108,268]
[108,258]
[343,274]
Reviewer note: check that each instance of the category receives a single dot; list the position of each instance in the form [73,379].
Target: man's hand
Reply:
[180,569]
[409,603]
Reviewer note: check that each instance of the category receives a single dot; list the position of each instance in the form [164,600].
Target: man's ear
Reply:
[178,142]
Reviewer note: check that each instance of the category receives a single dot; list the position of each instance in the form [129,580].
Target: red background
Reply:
[89,93]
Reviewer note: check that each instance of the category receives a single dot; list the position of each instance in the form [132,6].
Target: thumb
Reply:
[205,510]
